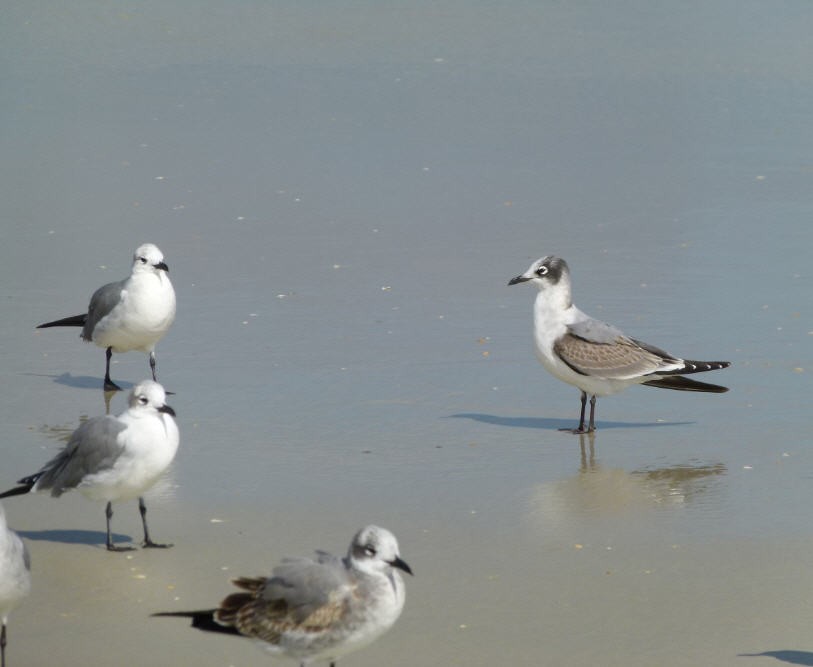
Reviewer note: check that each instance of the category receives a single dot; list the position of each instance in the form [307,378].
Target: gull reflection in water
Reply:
[596,491]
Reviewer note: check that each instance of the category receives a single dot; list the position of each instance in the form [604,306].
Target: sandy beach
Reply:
[342,194]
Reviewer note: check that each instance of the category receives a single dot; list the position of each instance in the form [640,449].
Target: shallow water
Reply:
[342,194]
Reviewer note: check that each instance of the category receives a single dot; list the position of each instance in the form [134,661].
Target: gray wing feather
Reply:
[597,349]
[306,585]
[595,331]
[102,302]
[93,447]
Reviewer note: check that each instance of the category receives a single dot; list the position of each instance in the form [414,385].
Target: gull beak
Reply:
[519,279]
[401,565]
[166,410]
[162,266]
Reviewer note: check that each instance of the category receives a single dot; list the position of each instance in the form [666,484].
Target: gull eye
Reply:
[542,270]
[143,260]
[370,550]
[143,400]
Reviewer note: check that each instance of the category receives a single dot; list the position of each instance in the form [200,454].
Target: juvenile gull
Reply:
[15,577]
[316,609]
[114,458]
[594,356]
[131,314]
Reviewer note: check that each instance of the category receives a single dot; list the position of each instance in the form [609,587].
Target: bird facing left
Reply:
[111,458]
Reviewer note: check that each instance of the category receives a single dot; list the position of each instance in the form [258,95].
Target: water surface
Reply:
[342,193]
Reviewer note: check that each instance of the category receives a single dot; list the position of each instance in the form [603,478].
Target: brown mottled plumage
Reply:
[320,608]
[593,355]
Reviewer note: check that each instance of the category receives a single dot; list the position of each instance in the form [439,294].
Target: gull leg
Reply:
[592,426]
[148,543]
[3,646]
[152,366]
[110,546]
[580,428]
[109,385]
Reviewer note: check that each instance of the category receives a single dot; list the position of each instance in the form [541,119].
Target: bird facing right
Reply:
[15,577]
[316,609]
[594,356]
[114,458]
[131,314]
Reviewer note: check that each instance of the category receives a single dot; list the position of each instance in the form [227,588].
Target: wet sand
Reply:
[341,197]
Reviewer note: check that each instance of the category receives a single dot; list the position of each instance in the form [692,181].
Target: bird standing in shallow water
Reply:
[15,577]
[594,356]
[316,609]
[131,314]
[114,458]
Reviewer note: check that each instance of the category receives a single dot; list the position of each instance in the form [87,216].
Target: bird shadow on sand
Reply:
[82,381]
[545,423]
[89,537]
[789,656]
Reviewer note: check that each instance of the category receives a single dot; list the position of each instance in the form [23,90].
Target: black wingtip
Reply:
[680,383]
[203,620]
[17,491]
[73,321]
[690,366]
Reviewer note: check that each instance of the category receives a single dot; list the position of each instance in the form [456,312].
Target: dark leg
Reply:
[3,646]
[580,428]
[109,385]
[592,426]
[152,366]
[110,547]
[148,543]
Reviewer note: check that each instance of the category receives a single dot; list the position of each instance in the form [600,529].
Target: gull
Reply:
[131,314]
[15,577]
[594,356]
[316,609]
[114,458]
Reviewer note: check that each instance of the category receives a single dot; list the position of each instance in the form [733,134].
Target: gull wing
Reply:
[93,447]
[597,349]
[102,302]
[303,596]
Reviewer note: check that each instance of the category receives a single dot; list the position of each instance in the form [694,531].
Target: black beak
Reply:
[162,266]
[166,410]
[518,280]
[401,565]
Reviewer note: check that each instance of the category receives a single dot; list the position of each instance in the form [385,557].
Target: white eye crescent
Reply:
[542,270]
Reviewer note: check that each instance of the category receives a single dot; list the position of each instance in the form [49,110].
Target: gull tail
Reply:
[18,490]
[202,620]
[74,321]
[685,384]
[26,484]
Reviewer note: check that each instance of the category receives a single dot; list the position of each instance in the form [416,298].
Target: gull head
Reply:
[148,257]
[375,549]
[545,272]
[149,395]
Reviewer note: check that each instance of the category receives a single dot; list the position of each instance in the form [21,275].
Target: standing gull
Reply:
[114,458]
[15,577]
[595,356]
[131,314]
[318,609]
